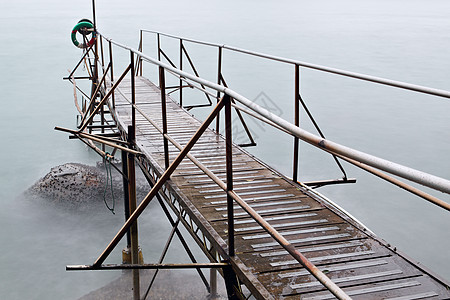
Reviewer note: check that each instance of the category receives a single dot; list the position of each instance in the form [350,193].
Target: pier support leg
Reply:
[231,283]
[132,205]
[126,201]
[213,281]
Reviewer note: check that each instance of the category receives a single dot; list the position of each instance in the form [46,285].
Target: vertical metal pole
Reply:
[126,200]
[181,68]
[231,283]
[93,15]
[141,48]
[162,86]
[296,121]
[112,72]
[219,81]
[95,71]
[159,46]
[229,169]
[132,206]
[133,94]
[101,52]
[213,280]
[102,110]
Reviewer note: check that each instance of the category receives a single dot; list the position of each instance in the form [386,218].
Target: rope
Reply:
[109,178]
[75,95]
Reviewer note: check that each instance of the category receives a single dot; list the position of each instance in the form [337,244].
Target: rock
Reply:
[77,184]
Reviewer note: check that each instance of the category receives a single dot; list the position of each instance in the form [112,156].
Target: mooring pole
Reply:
[132,205]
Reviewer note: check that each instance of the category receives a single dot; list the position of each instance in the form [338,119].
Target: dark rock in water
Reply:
[77,184]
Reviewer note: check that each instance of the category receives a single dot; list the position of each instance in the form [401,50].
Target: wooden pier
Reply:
[363,265]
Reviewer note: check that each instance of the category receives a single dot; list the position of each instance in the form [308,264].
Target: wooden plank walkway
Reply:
[360,263]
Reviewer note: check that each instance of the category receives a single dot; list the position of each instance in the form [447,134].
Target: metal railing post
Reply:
[101,52]
[162,86]
[181,68]
[296,120]
[140,49]
[159,46]
[133,89]
[219,81]
[111,73]
[229,169]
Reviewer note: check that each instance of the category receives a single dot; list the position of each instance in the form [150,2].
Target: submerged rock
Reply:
[77,184]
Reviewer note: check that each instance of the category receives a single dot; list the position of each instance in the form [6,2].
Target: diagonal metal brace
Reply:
[103,140]
[164,177]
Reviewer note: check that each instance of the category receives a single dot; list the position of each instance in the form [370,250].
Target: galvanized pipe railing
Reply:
[364,77]
[351,154]
[297,64]
[411,174]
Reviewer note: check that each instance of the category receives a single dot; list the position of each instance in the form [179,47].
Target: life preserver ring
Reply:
[82,28]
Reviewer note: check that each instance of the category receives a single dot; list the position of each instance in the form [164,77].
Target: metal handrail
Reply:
[344,152]
[411,174]
[360,76]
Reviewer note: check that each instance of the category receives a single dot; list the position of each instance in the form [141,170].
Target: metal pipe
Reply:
[80,61]
[399,183]
[219,80]
[379,80]
[182,240]
[132,205]
[141,49]
[229,170]
[164,177]
[194,69]
[162,86]
[104,99]
[101,52]
[423,178]
[159,47]
[232,195]
[97,139]
[163,255]
[94,93]
[319,275]
[133,90]
[147,266]
[126,201]
[181,68]
[112,72]
[296,121]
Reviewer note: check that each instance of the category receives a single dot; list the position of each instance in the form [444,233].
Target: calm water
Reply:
[402,40]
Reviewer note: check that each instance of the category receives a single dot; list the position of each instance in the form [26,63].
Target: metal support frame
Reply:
[157,186]
[160,186]
[241,119]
